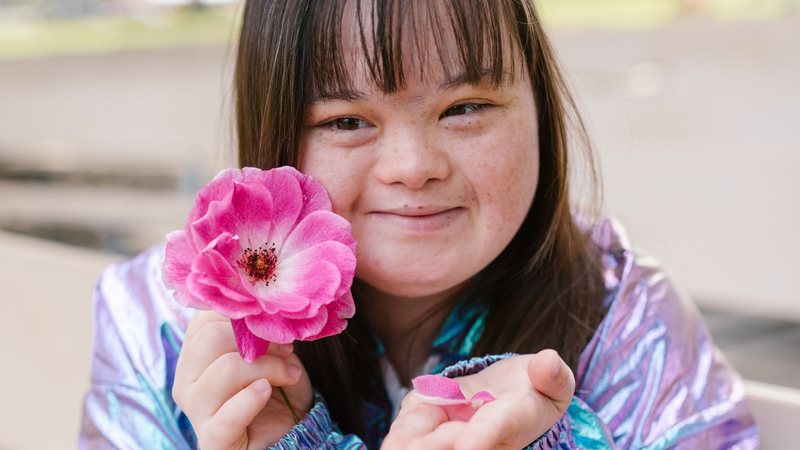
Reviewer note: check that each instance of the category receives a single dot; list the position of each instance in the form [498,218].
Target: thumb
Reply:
[551,376]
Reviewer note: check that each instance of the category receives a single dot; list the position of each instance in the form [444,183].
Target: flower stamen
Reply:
[260,264]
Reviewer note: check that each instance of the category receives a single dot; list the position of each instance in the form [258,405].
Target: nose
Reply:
[412,158]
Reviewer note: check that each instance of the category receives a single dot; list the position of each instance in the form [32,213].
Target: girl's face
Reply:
[435,178]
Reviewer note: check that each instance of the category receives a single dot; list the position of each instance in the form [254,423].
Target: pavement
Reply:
[45,341]
[696,128]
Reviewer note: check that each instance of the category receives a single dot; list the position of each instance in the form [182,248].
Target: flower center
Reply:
[260,264]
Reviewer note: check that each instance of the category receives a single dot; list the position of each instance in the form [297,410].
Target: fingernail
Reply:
[557,373]
[285,349]
[261,385]
[293,369]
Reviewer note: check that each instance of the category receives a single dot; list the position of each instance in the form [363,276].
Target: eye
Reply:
[347,123]
[463,108]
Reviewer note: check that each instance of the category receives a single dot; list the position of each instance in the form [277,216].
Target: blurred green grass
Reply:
[108,34]
[638,14]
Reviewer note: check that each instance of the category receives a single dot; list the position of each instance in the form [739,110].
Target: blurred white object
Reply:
[189,2]
[45,341]
[777,413]
[696,129]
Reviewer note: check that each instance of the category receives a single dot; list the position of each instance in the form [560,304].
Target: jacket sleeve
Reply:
[316,430]
[138,333]
[129,403]
[652,374]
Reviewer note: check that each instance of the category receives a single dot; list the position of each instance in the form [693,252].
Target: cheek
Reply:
[511,198]
[338,173]
[507,183]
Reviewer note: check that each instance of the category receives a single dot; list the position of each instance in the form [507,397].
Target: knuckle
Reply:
[208,437]
[408,401]
[212,335]
[274,369]
[223,425]
[177,395]
[228,365]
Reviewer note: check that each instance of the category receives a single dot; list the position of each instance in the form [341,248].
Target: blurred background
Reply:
[114,112]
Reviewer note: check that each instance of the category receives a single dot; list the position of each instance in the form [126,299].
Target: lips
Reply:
[418,211]
[420,219]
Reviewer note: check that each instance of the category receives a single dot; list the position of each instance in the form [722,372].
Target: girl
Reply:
[440,130]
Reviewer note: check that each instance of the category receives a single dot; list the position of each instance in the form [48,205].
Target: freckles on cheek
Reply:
[338,172]
[508,191]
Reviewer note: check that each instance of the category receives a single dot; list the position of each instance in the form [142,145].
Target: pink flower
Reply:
[263,248]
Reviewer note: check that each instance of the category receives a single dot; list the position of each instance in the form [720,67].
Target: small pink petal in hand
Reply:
[481,398]
[440,390]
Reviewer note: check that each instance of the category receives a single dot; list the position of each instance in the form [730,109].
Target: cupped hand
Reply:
[532,392]
[233,404]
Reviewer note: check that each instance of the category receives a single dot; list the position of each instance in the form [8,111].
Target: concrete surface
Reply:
[696,127]
[45,340]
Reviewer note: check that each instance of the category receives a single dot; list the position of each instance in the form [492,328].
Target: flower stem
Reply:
[289,404]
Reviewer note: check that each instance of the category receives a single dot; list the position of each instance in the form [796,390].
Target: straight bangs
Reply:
[475,40]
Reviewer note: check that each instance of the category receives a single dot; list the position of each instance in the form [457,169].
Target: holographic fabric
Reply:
[650,378]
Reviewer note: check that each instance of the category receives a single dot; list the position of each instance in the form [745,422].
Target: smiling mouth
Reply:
[420,220]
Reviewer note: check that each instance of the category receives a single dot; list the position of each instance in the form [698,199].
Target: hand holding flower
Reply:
[531,392]
[231,403]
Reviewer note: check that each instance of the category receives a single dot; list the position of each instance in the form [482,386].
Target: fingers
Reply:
[207,339]
[200,319]
[415,419]
[442,438]
[497,424]
[551,376]
[236,414]
[210,393]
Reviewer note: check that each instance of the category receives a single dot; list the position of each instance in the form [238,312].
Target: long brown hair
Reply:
[545,289]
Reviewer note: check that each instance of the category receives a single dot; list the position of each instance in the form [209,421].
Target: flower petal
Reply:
[215,189]
[481,398]
[338,313]
[221,286]
[250,346]
[440,390]
[315,197]
[438,387]
[280,330]
[285,303]
[216,298]
[317,227]
[178,256]
[287,197]
[304,272]
[253,209]
[215,221]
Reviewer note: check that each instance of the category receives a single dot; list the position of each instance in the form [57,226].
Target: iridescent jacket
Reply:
[649,378]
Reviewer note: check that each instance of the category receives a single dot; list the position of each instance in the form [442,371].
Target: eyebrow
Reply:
[449,84]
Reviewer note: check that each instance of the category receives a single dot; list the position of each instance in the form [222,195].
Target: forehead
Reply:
[384,43]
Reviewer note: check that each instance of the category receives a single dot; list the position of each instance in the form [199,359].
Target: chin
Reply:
[411,285]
